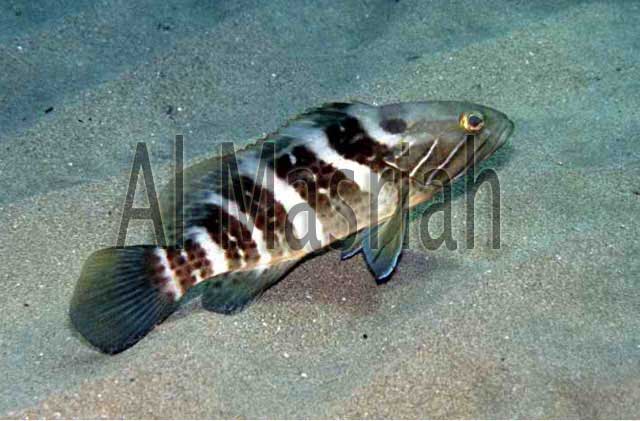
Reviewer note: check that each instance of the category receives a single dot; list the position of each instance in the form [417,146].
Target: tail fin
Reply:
[119,297]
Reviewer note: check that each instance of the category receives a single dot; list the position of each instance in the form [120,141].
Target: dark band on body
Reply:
[259,203]
[157,271]
[347,136]
[307,173]
[228,233]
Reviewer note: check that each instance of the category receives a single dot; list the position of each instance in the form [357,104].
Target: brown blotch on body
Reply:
[351,141]
[394,125]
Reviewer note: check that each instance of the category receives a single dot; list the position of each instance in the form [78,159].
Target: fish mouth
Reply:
[504,132]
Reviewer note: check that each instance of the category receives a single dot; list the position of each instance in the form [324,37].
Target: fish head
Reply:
[437,141]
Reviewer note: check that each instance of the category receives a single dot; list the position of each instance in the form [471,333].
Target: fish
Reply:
[341,176]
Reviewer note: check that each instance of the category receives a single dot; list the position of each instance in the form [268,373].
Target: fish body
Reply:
[343,173]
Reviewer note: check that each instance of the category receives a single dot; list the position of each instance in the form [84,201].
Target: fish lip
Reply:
[506,131]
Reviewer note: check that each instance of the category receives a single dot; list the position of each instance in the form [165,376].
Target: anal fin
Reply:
[232,292]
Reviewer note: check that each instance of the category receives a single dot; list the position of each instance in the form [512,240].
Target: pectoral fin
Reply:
[382,244]
[353,245]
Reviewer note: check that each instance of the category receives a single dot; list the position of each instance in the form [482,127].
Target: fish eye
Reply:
[472,122]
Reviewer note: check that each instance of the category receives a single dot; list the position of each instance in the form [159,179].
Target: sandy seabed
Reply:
[546,326]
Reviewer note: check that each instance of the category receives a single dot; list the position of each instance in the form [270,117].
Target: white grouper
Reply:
[343,174]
